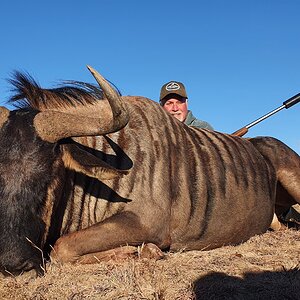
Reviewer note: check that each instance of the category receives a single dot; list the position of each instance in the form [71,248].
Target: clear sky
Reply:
[238,59]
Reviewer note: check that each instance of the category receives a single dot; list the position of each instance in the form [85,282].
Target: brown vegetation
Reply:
[264,267]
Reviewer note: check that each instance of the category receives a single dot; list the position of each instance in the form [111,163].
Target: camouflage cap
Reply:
[172,87]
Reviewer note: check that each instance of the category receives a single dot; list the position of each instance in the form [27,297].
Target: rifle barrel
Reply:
[286,104]
[265,116]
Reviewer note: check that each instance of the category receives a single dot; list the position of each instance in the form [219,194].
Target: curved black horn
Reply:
[105,116]
[120,114]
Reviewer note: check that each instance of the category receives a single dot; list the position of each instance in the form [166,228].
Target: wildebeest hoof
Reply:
[61,253]
[150,250]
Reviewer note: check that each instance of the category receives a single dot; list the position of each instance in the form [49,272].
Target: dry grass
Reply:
[265,267]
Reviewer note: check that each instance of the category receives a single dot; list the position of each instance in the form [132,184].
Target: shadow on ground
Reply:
[253,286]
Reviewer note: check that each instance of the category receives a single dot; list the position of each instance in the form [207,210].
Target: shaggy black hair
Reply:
[27,93]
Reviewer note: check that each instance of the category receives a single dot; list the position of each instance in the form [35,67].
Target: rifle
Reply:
[286,104]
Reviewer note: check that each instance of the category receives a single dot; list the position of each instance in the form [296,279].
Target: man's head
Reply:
[173,99]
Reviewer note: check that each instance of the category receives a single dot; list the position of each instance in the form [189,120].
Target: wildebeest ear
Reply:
[84,162]
[4,113]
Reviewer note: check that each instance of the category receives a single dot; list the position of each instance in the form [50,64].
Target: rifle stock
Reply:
[241,131]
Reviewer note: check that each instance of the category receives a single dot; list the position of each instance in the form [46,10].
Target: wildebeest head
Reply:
[33,158]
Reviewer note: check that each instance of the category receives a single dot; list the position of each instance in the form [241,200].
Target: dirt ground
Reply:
[264,267]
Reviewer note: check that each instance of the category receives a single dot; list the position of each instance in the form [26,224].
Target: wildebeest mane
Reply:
[27,93]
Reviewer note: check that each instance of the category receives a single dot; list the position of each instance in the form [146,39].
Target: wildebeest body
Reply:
[187,188]
[183,187]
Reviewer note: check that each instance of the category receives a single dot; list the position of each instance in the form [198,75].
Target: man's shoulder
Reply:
[192,121]
[201,124]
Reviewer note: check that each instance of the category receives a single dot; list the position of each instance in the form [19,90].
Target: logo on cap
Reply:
[172,86]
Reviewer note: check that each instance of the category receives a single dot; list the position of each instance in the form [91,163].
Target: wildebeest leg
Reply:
[287,165]
[116,254]
[288,187]
[123,229]
[148,250]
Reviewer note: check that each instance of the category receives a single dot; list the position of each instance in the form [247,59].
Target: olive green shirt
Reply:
[192,121]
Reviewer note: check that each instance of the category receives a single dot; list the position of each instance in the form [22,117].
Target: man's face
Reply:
[177,107]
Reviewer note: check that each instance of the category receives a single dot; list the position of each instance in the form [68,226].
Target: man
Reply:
[173,99]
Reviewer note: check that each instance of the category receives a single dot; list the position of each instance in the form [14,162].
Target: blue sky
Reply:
[238,59]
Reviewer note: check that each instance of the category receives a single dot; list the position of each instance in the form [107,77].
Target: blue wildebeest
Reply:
[89,175]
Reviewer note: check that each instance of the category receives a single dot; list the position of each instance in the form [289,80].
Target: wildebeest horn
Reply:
[87,120]
[4,113]
[120,115]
